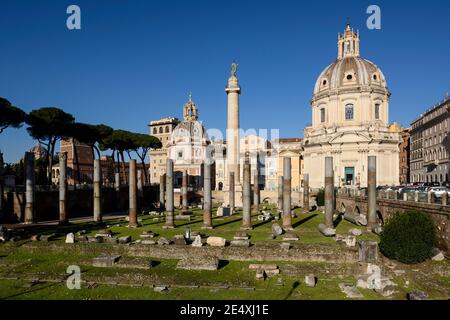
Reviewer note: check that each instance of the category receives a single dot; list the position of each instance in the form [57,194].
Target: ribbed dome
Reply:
[189,129]
[350,72]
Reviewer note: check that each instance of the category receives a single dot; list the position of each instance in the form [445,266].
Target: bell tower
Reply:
[348,43]
[190,111]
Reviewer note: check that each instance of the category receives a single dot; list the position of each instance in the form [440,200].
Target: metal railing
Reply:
[431,197]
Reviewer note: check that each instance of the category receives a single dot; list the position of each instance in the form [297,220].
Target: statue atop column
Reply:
[234,67]
[233,80]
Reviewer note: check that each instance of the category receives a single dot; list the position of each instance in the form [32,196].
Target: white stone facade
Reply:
[350,121]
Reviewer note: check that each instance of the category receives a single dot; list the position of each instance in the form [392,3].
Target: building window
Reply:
[180,154]
[155,131]
[377,111]
[322,115]
[160,130]
[349,112]
[167,129]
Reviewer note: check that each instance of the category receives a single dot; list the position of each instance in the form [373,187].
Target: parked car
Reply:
[439,191]
[432,184]
[407,190]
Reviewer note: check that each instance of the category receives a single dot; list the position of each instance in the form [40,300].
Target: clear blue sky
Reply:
[136,61]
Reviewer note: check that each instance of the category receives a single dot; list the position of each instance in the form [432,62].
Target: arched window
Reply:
[349,111]
[322,115]
[167,129]
[160,130]
[155,131]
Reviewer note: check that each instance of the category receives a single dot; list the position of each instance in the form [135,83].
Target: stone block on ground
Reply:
[124,240]
[377,229]
[277,230]
[368,251]
[223,212]
[47,237]
[256,266]
[310,280]
[241,236]
[147,234]
[437,255]
[108,239]
[290,237]
[350,241]
[285,245]
[240,243]
[272,272]
[350,290]
[355,232]
[359,220]
[417,295]
[70,238]
[161,289]
[94,239]
[199,263]
[260,274]
[134,263]
[216,241]
[197,242]
[179,240]
[163,241]
[327,232]
[270,237]
[105,260]
[147,242]
[104,233]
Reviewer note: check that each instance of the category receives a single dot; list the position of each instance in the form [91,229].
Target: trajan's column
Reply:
[233,91]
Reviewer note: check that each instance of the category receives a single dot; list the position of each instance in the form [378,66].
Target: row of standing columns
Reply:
[167,194]
[135,184]
[371,199]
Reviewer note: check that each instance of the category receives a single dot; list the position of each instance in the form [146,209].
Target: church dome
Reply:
[350,71]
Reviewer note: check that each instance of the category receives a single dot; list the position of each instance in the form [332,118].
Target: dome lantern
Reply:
[348,43]
[190,111]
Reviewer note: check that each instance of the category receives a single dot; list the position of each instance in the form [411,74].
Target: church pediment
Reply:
[351,137]
[289,154]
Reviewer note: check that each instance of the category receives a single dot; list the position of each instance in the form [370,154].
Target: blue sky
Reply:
[136,61]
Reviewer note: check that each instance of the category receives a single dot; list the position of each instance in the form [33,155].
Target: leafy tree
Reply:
[141,144]
[90,135]
[101,132]
[120,141]
[408,237]
[48,125]
[10,116]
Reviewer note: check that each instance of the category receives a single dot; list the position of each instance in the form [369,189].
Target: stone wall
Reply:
[79,203]
[386,208]
[272,252]
[265,196]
